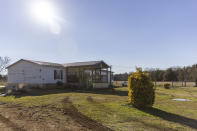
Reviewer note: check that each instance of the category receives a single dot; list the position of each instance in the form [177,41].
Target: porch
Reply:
[90,75]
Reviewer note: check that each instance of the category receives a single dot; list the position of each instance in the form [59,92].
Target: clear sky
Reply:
[124,33]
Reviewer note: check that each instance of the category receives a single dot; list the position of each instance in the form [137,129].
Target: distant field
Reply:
[118,83]
[179,84]
[110,108]
[161,83]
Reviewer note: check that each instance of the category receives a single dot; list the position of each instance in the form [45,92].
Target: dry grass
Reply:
[112,110]
[161,83]
[118,83]
[176,84]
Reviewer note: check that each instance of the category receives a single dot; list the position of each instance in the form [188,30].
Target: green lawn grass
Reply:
[111,108]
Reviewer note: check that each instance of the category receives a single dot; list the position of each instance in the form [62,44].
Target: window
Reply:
[58,74]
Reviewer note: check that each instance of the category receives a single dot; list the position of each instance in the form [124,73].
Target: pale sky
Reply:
[123,33]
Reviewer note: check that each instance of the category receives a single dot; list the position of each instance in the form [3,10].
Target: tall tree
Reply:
[4,61]
[170,75]
[180,75]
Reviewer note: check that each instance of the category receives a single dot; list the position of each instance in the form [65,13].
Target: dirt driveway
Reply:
[18,118]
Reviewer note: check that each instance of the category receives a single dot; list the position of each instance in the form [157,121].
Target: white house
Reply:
[94,74]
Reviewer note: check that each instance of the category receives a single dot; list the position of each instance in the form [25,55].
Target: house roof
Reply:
[46,63]
[38,63]
[88,63]
[75,64]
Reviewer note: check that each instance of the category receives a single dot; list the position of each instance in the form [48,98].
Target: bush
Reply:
[166,86]
[141,89]
[59,83]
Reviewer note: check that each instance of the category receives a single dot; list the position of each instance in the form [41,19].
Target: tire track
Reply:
[85,121]
[10,124]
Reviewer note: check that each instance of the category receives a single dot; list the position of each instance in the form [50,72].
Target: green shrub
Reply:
[141,89]
[166,86]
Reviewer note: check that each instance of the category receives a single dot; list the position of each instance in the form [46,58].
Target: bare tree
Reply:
[4,61]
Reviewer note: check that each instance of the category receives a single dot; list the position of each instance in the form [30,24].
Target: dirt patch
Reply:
[9,125]
[19,118]
[36,119]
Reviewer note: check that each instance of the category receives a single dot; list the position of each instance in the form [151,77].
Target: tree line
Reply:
[182,74]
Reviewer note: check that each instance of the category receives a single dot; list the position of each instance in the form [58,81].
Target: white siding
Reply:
[26,72]
[48,75]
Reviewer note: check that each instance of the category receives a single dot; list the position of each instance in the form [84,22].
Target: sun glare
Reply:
[45,13]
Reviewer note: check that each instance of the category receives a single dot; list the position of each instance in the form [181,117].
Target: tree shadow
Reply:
[171,117]
[107,91]
[40,92]
[149,124]
[126,118]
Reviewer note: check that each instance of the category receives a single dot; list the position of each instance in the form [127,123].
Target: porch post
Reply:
[92,75]
[66,76]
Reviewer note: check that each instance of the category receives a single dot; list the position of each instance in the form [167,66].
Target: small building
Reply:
[91,74]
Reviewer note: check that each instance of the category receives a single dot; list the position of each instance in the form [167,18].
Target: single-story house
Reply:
[91,74]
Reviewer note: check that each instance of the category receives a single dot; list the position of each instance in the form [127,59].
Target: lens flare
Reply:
[44,12]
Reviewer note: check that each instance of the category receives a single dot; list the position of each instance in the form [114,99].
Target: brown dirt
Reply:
[19,118]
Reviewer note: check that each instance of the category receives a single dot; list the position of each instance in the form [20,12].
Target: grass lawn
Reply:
[112,110]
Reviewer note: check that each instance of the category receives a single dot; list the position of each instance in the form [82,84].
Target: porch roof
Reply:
[88,63]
